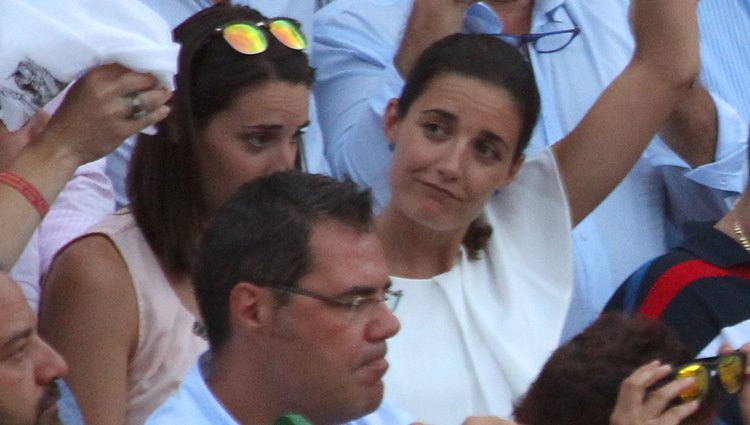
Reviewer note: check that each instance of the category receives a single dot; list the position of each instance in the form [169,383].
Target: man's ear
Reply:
[391,120]
[251,307]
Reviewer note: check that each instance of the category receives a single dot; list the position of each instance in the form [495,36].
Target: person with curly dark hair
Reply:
[614,372]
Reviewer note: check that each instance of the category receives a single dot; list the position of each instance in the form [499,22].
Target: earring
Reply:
[391,147]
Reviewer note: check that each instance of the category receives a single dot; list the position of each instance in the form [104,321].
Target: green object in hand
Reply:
[292,419]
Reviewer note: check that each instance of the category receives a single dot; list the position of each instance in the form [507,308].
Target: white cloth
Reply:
[195,404]
[353,48]
[85,200]
[47,44]
[473,339]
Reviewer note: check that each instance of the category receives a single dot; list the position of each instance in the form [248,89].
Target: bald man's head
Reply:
[28,366]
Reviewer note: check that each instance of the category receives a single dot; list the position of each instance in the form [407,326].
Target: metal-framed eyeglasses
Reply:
[353,303]
[544,42]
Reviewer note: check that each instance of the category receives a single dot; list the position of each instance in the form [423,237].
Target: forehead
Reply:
[472,101]
[15,314]
[345,257]
[273,101]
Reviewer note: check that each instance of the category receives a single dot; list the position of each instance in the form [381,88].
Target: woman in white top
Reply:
[487,276]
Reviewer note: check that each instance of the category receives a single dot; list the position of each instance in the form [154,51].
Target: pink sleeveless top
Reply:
[167,347]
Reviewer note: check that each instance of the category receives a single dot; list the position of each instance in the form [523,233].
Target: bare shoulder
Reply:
[89,313]
[90,265]
[89,281]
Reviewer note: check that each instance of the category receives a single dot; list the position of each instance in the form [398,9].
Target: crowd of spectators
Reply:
[374,212]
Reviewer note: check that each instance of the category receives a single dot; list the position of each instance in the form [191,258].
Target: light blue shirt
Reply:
[175,12]
[195,404]
[353,50]
[725,25]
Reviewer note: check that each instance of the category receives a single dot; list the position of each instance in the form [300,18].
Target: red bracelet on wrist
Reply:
[27,190]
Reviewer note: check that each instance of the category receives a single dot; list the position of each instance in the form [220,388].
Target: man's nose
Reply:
[49,364]
[384,326]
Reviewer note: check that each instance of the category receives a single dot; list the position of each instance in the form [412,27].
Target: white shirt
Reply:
[473,339]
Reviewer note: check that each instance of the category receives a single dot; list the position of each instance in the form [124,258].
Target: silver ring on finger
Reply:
[137,110]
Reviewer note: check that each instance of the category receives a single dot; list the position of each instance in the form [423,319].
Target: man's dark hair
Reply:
[580,382]
[261,235]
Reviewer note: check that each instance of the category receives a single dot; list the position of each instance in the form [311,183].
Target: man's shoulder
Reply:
[192,404]
[170,413]
[673,270]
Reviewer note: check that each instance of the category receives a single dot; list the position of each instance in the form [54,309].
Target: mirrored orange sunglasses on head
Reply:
[250,38]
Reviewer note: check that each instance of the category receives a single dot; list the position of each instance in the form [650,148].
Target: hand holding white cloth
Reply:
[46,44]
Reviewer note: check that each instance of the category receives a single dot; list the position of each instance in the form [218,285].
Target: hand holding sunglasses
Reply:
[743,397]
[639,404]
[727,370]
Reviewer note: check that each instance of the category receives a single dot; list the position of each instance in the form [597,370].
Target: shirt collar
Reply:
[480,18]
[716,247]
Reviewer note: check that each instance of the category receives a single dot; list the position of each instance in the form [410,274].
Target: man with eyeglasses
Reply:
[363,48]
[294,292]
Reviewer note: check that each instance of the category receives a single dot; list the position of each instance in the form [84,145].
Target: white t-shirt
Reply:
[474,338]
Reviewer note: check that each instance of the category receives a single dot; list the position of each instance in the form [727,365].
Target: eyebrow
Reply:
[18,336]
[272,127]
[452,118]
[362,290]
[442,113]
[268,127]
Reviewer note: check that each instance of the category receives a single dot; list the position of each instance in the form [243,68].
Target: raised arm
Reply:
[429,21]
[600,151]
[692,128]
[91,122]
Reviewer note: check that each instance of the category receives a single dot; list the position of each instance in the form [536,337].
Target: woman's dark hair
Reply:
[489,60]
[580,382]
[166,193]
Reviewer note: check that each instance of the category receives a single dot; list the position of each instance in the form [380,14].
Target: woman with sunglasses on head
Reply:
[479,239]
[118,303]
